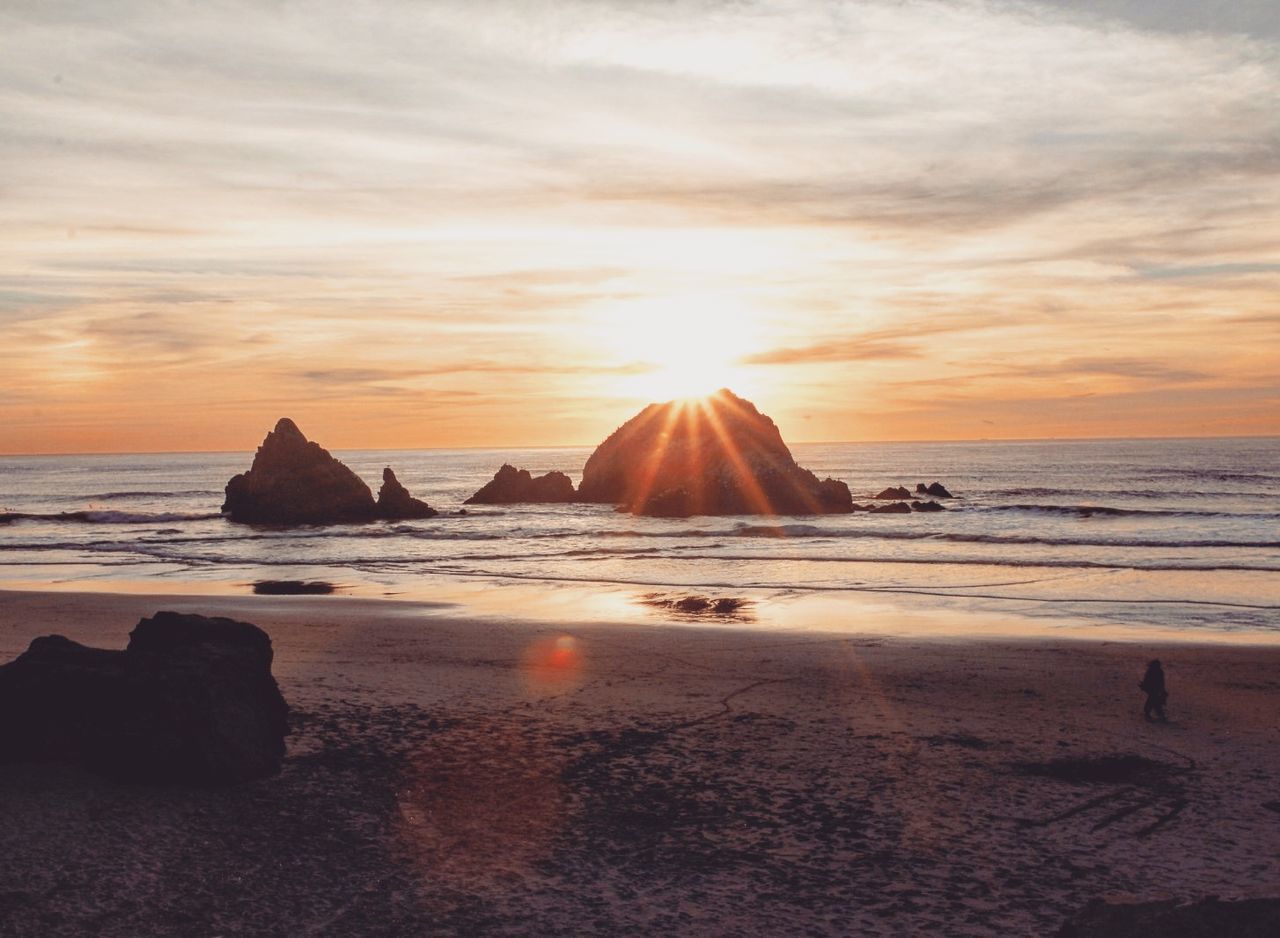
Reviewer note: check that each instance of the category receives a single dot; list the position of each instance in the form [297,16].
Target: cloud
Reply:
[407,198]
[839,350]
[1137,368]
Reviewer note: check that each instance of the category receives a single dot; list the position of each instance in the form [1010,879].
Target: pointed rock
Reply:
[396,504]
[294,481]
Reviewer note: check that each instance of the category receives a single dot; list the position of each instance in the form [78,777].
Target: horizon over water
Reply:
[1177,533]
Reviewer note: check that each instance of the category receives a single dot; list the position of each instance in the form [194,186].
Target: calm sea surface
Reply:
[1182,534]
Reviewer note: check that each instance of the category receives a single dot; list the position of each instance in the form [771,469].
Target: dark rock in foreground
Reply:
[937,490]
[295,481]
[1249,918]
[396,504]
[926,506]
[896,492]
[512,486]
[191,700]
[715,456]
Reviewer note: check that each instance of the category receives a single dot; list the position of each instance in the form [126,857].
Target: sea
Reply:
[1179,534]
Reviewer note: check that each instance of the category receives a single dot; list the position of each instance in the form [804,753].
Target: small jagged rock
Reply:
[893,492]
[396,504]
[897,508]
[191,700]
[938,490]
[926,506]
[512,486]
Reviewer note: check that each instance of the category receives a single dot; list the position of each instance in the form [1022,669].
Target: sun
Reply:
[686,346]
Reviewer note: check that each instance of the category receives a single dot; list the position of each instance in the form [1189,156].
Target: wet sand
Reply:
[454,774]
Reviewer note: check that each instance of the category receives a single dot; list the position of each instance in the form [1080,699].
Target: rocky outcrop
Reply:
[1246,918]
[295,481]
[512,486]
[926,506]
[717,456]
[897,508]
[191,700]
[898,492]
[937,490]
[396,504]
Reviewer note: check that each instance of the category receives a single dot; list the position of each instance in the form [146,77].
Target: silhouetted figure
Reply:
[1153,685]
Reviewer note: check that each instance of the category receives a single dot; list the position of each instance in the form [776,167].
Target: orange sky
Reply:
[453,224]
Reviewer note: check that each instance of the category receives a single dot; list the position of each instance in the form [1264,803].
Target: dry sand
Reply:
[454,776]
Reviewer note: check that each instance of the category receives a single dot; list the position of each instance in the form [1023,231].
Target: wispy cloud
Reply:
[402,200]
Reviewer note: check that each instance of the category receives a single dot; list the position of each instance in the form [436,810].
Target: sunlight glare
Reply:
[683,347]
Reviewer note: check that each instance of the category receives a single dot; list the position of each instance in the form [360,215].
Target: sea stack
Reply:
[714,456]
[512,486]
[396,504]
[296,481]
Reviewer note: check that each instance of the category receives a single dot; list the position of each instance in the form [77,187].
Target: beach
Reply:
[460,769]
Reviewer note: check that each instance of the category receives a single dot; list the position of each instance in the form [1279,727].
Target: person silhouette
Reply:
[1153,685]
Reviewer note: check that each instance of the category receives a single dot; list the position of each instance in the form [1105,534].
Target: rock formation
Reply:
[894,493]
[396,504]
[512,486]
[926,506]
[897,508]
[937,490]
[191,700]
[716,456]
[295,481]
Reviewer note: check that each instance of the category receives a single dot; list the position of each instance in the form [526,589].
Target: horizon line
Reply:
[553,446]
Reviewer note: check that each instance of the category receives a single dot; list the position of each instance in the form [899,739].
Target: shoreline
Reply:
[900,614]
[456,773]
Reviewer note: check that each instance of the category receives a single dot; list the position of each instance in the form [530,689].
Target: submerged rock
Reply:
[897,508]
[926,506]
[715,456]
[295,481]
[191,700]
[512,486]
[396,504]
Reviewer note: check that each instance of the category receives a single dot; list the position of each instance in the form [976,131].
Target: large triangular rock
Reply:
[715,456]
[295,481]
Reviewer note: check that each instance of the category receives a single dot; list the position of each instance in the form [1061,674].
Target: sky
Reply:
[513,223]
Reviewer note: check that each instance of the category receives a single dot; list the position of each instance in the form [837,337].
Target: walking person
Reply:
[1153,685]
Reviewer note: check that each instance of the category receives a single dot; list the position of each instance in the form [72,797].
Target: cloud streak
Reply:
[406,200]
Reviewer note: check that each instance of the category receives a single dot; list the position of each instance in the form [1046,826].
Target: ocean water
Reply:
[1181,534]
